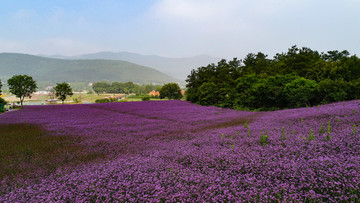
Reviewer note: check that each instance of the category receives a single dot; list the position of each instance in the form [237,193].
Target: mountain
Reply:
[179,68]
[50,70]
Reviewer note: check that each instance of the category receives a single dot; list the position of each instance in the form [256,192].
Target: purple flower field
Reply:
[169,151]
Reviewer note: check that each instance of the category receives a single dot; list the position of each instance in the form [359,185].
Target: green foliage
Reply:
[246,124]
[322,130]
[62,90]
[264,138]
[311,136]
[147,98]
[354,130]
[77,100]
[100,87]
[123,88]
[208,94]
[171,91]
[283,135]
[105,100]
[2,101]
[328,127]
[328,137]
[300,92]
[297,78]
[332,91]
[22,86]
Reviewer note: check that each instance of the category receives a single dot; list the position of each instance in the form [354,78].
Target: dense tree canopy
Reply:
[171,91]
[298,77]
[62,90]
[22,86]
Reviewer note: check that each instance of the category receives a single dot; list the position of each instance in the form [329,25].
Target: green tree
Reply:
[22,86]
[300,92]
[332,91]
[101,87]
[208,94]
[256,63]
[171,91]
[62,90]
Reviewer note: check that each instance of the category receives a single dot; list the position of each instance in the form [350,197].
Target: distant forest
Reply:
[298,78]
[123,88]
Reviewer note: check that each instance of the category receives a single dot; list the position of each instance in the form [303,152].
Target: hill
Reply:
[50,70]
[179,68]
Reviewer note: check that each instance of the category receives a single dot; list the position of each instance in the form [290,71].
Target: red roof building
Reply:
[154,93]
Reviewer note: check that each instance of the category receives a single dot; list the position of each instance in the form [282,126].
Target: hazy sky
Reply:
[177,28]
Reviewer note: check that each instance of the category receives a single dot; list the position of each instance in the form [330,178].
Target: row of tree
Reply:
[299,77]
[23,86]
[123,88]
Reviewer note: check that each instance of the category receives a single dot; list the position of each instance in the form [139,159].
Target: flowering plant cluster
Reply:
[168,151]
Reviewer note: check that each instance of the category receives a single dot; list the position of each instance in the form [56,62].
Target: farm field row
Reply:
[178,151]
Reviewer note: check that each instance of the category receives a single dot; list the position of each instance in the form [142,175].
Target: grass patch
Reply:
[29,151]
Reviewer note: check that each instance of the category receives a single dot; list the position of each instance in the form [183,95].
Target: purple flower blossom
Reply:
[175,151]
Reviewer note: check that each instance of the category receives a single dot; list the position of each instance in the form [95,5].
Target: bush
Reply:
[147,98]
[105,100]
[3,101]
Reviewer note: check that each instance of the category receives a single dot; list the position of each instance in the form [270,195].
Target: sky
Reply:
[178,28]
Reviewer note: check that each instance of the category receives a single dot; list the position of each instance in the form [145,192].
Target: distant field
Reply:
[85,98]
[175,151]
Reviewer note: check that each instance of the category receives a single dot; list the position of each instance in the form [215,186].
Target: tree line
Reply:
[123,88]
[23,86]
[297,78]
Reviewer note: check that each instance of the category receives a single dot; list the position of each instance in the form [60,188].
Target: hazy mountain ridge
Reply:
[179,68]
[78,70]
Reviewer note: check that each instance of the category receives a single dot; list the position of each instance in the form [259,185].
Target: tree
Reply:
[0,86]
[62,90]
[300,92]
[171,91]
[101,87]
[22,86]
[208,94]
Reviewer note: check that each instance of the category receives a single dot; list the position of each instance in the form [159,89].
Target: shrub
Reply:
[105,100]
[147,98]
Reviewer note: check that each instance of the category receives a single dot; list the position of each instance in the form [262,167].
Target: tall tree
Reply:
[62,90]
[22,86]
